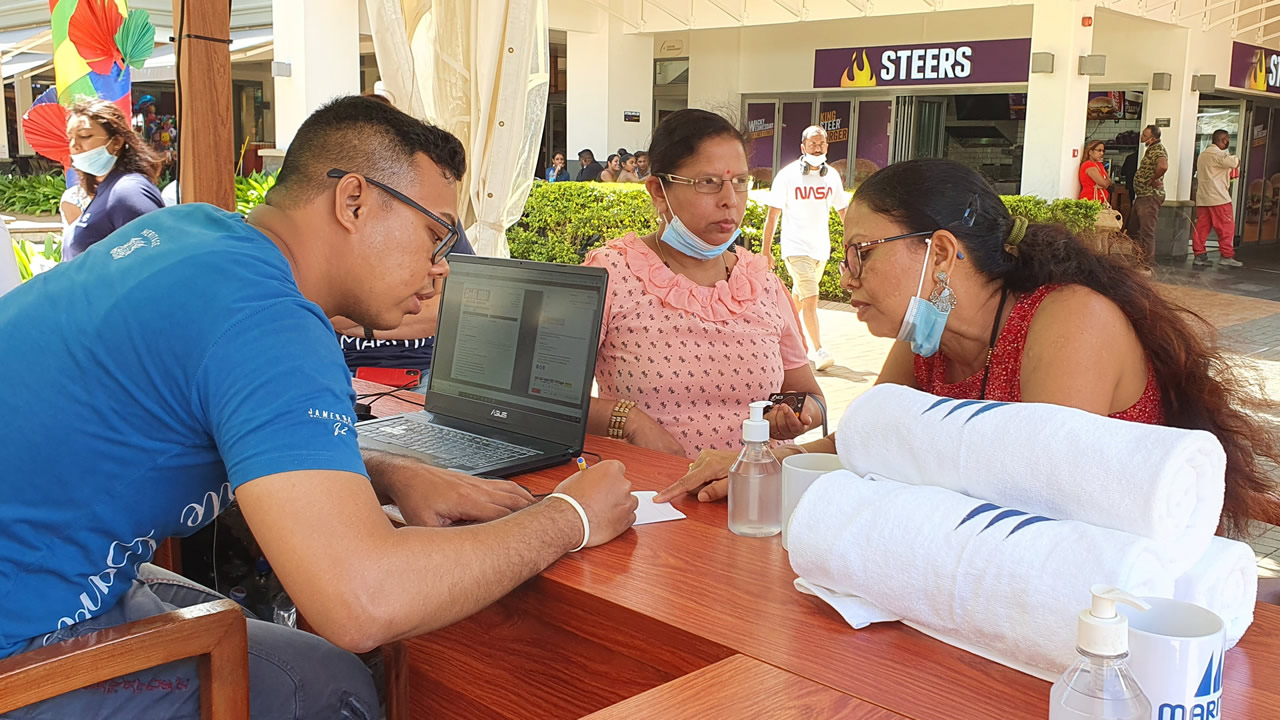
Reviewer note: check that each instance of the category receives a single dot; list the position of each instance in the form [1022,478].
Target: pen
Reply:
[582,464]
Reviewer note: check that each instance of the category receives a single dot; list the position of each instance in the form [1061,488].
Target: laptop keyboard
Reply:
[447,447]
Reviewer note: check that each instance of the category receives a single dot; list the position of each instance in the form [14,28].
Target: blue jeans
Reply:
[292,674]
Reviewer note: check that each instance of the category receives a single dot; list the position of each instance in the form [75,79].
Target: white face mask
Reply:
[815,160]
[96,162]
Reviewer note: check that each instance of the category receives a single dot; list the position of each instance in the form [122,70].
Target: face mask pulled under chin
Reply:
[924,323]
[679,237]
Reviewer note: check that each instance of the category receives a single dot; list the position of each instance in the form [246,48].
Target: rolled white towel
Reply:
[1161,483]
[991,577]
[1225,580]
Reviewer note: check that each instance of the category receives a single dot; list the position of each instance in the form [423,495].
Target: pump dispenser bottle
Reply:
[1099,685]
[755,481]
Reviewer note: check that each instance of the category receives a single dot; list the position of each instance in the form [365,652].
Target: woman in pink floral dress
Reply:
[695,327]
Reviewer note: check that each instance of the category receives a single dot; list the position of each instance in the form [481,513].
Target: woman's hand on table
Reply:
[643,431]
[708,476]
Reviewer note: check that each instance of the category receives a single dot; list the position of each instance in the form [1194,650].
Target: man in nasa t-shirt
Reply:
[804,193]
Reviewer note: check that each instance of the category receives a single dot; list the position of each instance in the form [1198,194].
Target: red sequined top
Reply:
[1005,383]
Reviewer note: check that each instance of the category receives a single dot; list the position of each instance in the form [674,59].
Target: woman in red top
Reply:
[1094,180]
[1025,312]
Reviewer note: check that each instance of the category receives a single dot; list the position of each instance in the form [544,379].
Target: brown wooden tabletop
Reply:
[669,599]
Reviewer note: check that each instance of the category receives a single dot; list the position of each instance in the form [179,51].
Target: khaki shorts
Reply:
[806,273]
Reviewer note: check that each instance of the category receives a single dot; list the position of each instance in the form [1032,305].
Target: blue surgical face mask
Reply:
[924,322]
[96,162]
[682,239]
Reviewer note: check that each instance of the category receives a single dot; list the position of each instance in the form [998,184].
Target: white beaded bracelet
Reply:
[586,526]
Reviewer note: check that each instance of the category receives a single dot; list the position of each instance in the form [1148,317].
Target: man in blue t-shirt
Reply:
[205,339]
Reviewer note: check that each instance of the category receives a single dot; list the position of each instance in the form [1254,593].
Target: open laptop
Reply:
[510,385]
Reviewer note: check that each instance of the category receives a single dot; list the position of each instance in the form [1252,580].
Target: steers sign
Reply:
[982,61]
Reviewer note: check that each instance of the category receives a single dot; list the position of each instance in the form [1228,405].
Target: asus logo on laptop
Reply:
[500,414]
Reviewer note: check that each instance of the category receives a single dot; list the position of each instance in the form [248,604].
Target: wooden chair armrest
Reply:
[214,632]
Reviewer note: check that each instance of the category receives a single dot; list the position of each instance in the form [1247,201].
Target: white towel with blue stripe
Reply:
[972,573]
[1161,483]
[1226,582]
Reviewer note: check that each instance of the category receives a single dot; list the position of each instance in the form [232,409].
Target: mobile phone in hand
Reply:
[793,400]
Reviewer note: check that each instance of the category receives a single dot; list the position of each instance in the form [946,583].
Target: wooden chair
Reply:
[214,632]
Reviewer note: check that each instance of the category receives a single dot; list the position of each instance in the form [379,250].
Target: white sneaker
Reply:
[822,359]
[1230,262]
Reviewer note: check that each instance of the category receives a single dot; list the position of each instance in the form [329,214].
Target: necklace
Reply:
[991,346]
[658,244]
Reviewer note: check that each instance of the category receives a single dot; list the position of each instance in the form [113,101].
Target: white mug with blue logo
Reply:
[1176,652]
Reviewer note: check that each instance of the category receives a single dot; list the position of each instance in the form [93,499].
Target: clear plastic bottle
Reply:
[1099,685]
[755,481]
[283,610]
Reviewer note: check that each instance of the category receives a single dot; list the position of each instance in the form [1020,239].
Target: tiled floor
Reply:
[1242,303]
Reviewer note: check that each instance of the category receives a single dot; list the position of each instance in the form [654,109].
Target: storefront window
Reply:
[871,148]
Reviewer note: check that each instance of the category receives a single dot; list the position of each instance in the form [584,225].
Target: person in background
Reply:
[804,193]
[1148,187]
[118,170]
[591,169]
[410,346]
[694,327]
[642,164]
[1024,312]
[1213,202]
[557,172]
[1094,180]
[612,169]
[70,206]
[628,174]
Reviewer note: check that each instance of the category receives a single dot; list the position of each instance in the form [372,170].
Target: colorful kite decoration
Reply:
[95,43]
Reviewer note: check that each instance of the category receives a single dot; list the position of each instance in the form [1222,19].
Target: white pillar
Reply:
[4,124]
[22,94]
[1056,101]
[610,73]
[320,39]
[1179,104]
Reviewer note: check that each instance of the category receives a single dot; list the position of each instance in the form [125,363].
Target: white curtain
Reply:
[479,69]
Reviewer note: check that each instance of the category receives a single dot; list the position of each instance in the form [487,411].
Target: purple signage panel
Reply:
[760,122]
[982,61]
[1255,68]
[795,118]
[872,150]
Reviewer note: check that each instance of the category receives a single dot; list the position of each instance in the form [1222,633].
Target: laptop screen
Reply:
[516,345]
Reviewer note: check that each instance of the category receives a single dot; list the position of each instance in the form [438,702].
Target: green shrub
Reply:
[32,261]
[252,190]
[563,221]
[32,194]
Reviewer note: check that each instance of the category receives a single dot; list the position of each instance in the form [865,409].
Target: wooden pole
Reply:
[206,146]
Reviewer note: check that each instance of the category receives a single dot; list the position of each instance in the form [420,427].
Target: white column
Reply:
[610,73]
[4,124]
[320,39]
[1179,104]
[22,94]
[1056,102]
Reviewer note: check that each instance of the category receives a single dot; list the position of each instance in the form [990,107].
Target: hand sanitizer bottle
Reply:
[1099,686]
[755,481]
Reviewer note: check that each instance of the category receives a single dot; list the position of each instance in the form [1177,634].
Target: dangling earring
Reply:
[942,297]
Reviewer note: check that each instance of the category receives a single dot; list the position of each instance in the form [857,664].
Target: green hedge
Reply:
[32,194]
[563,221]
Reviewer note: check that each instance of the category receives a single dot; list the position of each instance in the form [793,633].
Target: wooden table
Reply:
[685,619]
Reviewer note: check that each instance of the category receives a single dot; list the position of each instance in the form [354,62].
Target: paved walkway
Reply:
[1242,304]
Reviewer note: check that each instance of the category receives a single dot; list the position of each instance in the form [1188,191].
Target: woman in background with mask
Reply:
[116,168]
[695,328]
[986,306]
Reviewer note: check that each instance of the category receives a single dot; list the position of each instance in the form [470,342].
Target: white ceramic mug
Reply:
[1176,652]
[798,473]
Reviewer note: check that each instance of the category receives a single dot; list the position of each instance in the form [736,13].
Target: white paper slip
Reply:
[651,512]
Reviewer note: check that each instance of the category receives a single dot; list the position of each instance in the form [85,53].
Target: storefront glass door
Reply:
[1259,197]
[1211,117]
[796,116]
[871,145]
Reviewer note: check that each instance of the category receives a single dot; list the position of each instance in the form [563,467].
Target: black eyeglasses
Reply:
[442,248]
[853,254]
[710,185]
